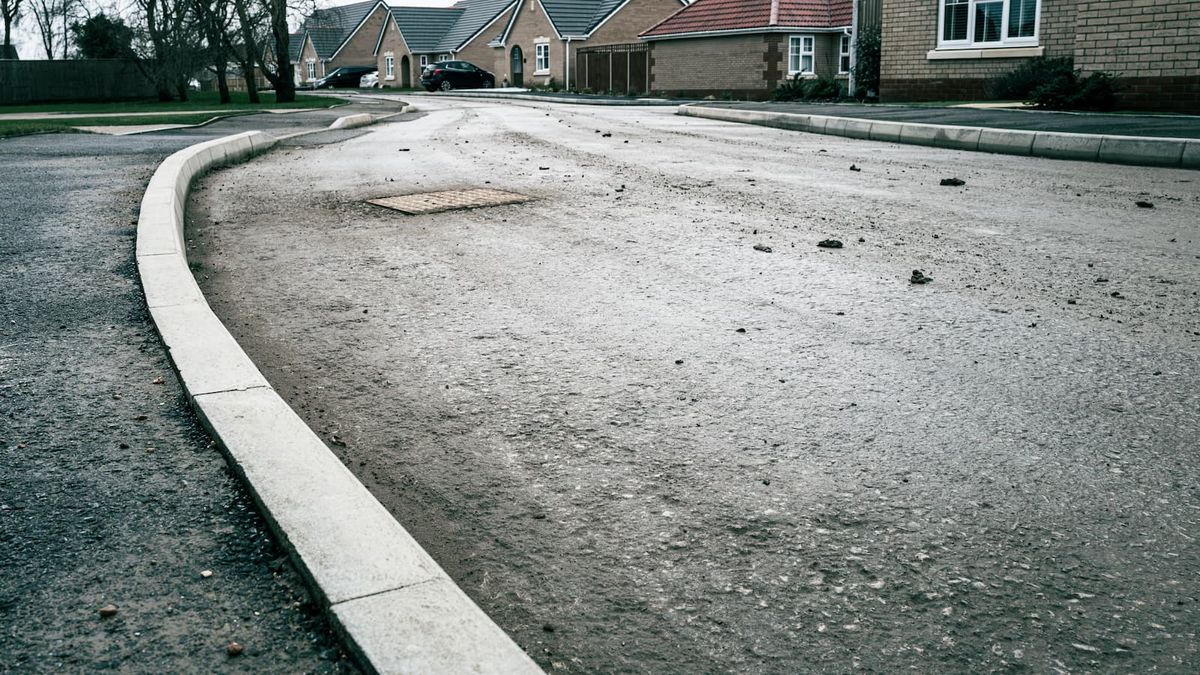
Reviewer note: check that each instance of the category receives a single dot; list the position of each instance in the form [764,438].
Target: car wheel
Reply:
[446,86]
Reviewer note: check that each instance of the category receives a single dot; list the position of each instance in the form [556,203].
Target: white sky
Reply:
[29,45]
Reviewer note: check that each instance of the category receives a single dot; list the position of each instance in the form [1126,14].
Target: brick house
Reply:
[746,48]
[410,40]
[475,35]
[949,49]
[341,36]
[539,42]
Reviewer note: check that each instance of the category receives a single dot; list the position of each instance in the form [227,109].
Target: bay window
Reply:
[987,23]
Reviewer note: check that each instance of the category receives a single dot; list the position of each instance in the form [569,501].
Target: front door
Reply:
[517,67]
[405,72]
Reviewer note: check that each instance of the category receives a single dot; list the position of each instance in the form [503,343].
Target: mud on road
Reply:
[641,443]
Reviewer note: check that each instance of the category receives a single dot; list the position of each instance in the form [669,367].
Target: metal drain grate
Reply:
[450,200]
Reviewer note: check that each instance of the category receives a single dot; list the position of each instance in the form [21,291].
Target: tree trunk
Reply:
[285,86]
[251,81]
[223,84]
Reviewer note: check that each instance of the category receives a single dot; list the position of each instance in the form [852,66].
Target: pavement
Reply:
[649,425]
[1160,126]
[112,494]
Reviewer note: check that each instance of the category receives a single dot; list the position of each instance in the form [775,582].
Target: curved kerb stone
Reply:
[396,609]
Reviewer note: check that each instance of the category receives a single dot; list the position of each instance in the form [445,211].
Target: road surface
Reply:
[644,443]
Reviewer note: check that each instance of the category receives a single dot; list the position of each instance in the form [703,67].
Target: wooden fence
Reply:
[621,69]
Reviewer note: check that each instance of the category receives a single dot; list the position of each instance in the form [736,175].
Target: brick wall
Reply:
[1153,46]
[359,50]
[493,59]
[531,25]
[307,54]
[744,66]
[634,18]
[909,32]
[393,43]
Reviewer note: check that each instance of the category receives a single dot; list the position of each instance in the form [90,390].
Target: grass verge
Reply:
[10,128]
[200,100]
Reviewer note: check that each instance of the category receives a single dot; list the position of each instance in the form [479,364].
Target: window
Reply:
[800,54]
[987,23]
[542,63]
[424,60]
[389,64]
[312,70]
[844,55]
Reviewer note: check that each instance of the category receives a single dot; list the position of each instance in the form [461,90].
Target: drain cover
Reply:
[450,200]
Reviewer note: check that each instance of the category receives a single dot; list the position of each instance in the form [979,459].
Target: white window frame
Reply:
[844,55]
[424,60]
[389,64]
[541,61]
[800,53]
[1004,41]
[312,70]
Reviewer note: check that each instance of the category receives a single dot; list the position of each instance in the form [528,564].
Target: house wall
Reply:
[359,50]
[393,43]
[1153,46]
[530,25]
[309,53]
[634,18]
[741,66]
[493,59]
[909,32]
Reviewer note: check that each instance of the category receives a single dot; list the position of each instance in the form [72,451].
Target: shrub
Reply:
[1019,83]
[866,63]
[806,89]
[1097,91]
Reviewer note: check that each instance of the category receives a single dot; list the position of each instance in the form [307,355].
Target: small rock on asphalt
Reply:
[953,182]
[108,610]
[918,277]
[829,243]
[854,168]
[762,247]
[233,649]
[206,574]
[1145,205]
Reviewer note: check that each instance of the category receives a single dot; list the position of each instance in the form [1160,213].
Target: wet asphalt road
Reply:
[642,445]
[110,492]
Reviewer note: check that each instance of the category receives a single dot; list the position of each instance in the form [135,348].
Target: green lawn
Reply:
[199,100]
[65,126]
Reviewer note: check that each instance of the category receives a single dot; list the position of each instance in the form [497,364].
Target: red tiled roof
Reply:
[705,16]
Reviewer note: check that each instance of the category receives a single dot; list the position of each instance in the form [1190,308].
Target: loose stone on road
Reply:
[993,470]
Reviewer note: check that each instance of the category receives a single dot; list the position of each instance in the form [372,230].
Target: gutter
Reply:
[745,31]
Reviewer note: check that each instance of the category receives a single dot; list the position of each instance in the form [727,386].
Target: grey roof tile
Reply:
[331,27]
[476,15]
[424,27]
[579,17]
[295,46]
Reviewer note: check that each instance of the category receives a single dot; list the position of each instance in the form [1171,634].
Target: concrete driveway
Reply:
[644,443]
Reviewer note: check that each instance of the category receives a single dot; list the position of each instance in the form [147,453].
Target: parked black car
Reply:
[447,75]
[346,76]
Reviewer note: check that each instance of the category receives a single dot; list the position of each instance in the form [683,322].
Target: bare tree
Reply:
[10,12]
[215,20]
[53,18]
[175,44]
[265,22]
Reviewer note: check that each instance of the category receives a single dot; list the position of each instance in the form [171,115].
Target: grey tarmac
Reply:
[643,443]
[125,542]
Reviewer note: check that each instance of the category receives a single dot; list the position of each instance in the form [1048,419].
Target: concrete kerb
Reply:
[394,606]
[574,100]
[1140,151]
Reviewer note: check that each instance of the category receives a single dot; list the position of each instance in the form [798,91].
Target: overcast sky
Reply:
[29,45]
